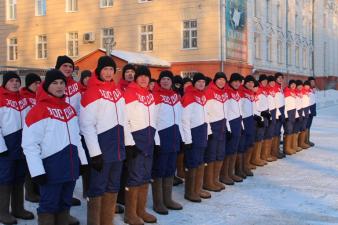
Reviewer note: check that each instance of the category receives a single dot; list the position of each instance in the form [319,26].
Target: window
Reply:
[41,47]
[257,42]
[279,15]
[143,1]
[269,49]
[107,38]
[189,34]
[257,8]
[279,51]
[12,49]
[297,56]
[289,54]
[73,44]
[268,11]
[147,37]
[40,7]
[188,74]
[11,9]
[71,6]
[305,58]
[106,3]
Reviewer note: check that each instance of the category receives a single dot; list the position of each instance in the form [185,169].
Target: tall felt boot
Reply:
[62,218]
[295,143]
[46,219]
[108,203]
[18,210]
[217,172]
[307,139]
[266,148]
[5,216]
[30,194]
[251,157]
[208,179]
[180,165]
[287,144]
[167,194]
[224,177]
[158,203]
[189,192]
[231,171]
[246,163]
[199,182]
[301,140]
[93,211]
[239,166]
[130,215]
[141,205]
[275,148]
[256,159]
[269,149]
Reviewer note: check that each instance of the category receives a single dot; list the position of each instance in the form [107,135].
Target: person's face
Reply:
[236,84]
[166,83]
[280,80]
[299,87]
[313,83]
[250,85]
[178,85]
[107,73]
[85,81]
[255,89]
[220,83]
[187,84]
[13,85]
[200,85]
[293,86]
[264,83]
[307,87]
[67,69]
[57,88]
[34,86]
[129,75]
[142,81]
[151,85]
[272,83]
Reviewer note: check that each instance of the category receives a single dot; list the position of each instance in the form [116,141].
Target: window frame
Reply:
[15,49]
[43,7]
[75,42]
[72,4]
[190,30]
[147,34]
[44,46]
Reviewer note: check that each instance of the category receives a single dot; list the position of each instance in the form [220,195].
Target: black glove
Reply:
[157,149]
[97,163]
[84,169]
[40,180]
[229,135]
[4,154]
[266,115]
[131,151]
[187,146]
[260,124]
[210,136]
[257,118]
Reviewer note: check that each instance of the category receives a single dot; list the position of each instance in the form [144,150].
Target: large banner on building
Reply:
[236,30]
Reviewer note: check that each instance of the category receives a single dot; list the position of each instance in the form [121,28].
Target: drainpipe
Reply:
[222,30]
[313,38]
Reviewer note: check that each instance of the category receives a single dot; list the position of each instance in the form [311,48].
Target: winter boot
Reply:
[246,163]
[251,157]
[18,210]
[130,215]
[93,211]
[301,140]
[239,166]
[180,165]
[167,194]
[108,203]
[158,204]
[231,171]
[190,180]
[256,159]
[307,138]
[217,172]
[30,194]
[141,205]
[224,176]
[208,179]
[5,216]
[266,148]
[269,150]
[278,153]
[199,183]
[287,144]
[62,218]
[295,143]
[46,219]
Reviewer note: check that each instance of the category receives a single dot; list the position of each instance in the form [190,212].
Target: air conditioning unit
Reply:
[88,37]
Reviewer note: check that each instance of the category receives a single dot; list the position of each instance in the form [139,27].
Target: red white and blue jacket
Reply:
[299,103]
[195,120]
[13,110]
[51,140]
[168,119]
[217,110]
[141,117]
[290,101]
[247,102]
[73,94]
[312,98]
[271,97]
[279,99]
[262,103]
[234,104]
[305,98]
[29,95]
[103,119]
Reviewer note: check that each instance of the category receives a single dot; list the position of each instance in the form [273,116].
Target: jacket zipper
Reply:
[70,150]
[118,134]
[174,142]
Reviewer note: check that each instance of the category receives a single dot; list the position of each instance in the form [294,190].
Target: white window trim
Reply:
[37,8]
[147,33]
[15,47]
[144,1]
[8,9]
[43,48]
[67,46]
[190,39]
[297,56]
[67,6]
[269,49]
[280,58]
[106,6]
[103,36]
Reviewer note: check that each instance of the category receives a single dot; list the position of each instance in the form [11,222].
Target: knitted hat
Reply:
[31,78]
[9,75]
[178,79]
[256,83]
[262,77]
[307,83]
[197,77]
[271,78]
[166,73]
[51,76]
[105,61]
[292,82]
[235,77]
[311,78]
[299,83]
[186,80]
[62,60]
[142,70]
[127,67]
[84,74]
[219,75]
[278,74]
[248,79]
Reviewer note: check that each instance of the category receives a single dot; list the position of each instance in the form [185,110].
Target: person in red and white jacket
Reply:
[84,78]
[13,110]
[102,124]
[128,73]
[52,146]
[306,113]
[32,82]
[217,112]
[299,116]
[141,117]
[313,109]
[195,127]
[168,123]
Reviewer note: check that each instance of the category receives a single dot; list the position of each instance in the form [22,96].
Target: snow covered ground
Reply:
[298,190]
